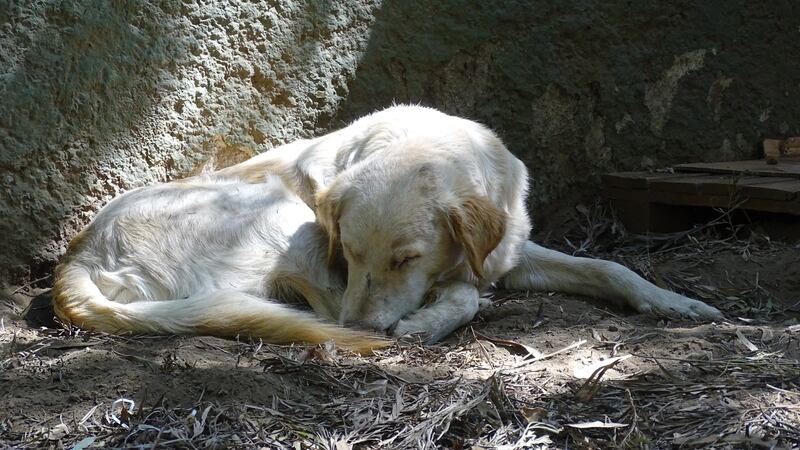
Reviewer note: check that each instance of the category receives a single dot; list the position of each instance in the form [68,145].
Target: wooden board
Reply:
[785,168]
[735,187]
[722,201]
[638,180]
[634,195]
[665,202]
[638,199]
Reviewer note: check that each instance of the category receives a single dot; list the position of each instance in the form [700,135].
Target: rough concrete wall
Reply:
[577,88]
[98,97]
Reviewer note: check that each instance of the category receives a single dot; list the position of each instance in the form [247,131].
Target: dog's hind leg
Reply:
[455,304]
[304,269]
[541,269]
[323,297]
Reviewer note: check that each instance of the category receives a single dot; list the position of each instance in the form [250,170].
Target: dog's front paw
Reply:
[671,304]
[414,330]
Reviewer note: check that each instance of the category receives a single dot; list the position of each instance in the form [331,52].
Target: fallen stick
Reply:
[530,361]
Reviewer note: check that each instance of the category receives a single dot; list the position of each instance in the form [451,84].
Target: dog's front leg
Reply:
[548,270]
[456,304]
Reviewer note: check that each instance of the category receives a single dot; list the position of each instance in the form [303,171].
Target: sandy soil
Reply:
[518,375]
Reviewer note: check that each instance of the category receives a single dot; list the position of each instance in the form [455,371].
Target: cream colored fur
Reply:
[412,181]
[205,256]
[428,210]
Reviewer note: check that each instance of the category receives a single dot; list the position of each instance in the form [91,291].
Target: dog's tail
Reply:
[226,313]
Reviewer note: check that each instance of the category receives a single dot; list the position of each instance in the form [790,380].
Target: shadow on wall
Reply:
[79,76]
[102,97]
[99,97]
[585,87]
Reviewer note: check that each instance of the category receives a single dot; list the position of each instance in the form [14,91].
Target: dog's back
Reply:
[197,257]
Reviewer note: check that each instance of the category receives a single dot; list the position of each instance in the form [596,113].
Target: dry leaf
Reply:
[57,432]
[533,415]
[746,342]
[586,372]
[513,346]
[84,443]
[597,424]
[320,353]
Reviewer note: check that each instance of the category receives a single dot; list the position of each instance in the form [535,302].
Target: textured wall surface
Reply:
[99,97]
[577,88]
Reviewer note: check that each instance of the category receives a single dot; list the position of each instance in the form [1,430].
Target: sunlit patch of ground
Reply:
[533,370]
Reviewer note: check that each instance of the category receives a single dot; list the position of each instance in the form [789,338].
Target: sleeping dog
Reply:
[423,212]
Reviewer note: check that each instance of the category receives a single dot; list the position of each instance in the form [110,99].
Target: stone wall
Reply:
[577,88]
[99,97]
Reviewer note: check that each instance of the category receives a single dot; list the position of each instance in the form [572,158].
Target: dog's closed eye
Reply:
[404,261]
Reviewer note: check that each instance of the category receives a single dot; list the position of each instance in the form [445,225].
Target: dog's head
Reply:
[403,226]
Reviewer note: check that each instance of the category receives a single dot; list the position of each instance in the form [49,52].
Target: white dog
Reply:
[204,256]
[427,209]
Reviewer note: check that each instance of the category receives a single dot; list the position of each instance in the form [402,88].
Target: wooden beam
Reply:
[735,187]
[784,168]
[638,180]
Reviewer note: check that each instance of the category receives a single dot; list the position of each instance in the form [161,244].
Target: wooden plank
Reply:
[790,189]
[735,187]
[784,168]
[781,148]
[633,195]
[637,180]
[791,147]
[772,150]
[723,201]
[663,202]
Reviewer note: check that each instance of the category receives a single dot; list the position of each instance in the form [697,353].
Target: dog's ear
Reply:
[329,208]
[479,226]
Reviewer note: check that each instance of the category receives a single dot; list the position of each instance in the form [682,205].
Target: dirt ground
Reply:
[534,370]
